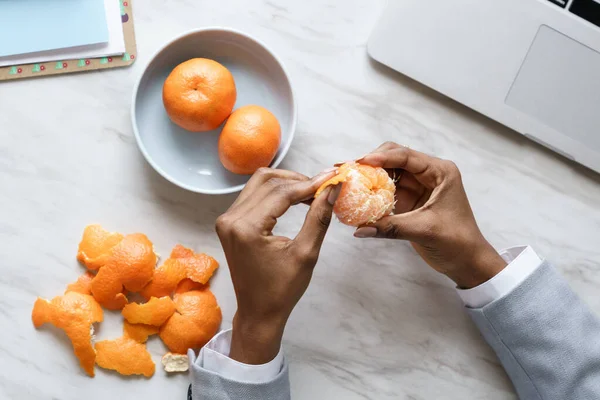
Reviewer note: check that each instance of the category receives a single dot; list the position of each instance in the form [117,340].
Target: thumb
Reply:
[317,220]
[413,226]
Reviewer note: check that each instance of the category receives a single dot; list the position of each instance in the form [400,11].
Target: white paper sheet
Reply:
[115,45]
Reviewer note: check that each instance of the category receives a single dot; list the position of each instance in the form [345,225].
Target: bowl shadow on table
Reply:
[492,126]
[184,206]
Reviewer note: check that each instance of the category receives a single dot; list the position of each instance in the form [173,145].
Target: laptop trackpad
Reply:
[559,85]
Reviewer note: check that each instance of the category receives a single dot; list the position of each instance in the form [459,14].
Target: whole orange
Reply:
[199,94]
[249,140]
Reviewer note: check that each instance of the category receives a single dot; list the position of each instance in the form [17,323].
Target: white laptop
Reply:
[532,65]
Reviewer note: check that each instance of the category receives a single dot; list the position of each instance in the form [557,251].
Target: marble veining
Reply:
[376,323]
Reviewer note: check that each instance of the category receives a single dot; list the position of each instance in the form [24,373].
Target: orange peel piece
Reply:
[95,246]
[126,356]
[183,263]
[155,312]
[130,266]
[83,284]
[74,313]
[175,362]
[139,332]
[366,196]
[194,323]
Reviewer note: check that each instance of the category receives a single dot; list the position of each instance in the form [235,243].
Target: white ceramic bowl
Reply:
[190,159]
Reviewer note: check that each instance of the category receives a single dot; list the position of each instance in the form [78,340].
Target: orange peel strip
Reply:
[74,313]
[155,312]
[126,356]
[139,332]
[183,263]
[195,322]
[83,284]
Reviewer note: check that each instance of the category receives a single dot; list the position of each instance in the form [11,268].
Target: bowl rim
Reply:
[233,189]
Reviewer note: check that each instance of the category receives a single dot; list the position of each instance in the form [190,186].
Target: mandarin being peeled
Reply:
[199,94]
[366,196]
[249,140]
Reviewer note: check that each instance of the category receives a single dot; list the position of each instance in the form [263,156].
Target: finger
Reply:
[427,170]
[281,197]
[415,226]
[386,146]
[311,236]
[263,175]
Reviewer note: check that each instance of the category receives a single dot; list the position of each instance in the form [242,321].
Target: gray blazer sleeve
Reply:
[207,385]
[545,337]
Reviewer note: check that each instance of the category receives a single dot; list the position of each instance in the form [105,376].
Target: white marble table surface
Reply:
[376,323]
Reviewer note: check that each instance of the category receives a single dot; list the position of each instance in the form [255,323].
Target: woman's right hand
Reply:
[433,213]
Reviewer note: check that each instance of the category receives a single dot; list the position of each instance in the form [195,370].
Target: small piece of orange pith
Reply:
[126,356]
[194,323]
[74,313]
[183,263]
[175,362]
[155,312]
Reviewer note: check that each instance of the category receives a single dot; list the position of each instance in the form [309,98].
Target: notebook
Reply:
[69,65]
[28,26]
[115,44]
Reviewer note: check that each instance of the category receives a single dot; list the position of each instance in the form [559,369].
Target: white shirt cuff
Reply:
[522,261]
[215,357]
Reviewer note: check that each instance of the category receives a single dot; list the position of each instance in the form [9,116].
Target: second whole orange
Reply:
[199,94]
[249,140]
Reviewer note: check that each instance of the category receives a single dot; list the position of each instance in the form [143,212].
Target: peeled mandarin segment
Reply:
[183,263]
[95,246]
[83,284]
[130,266]
[126,356]
[139,332]
[175,362]
[195,322]
[74,313]
[155,312]
[366,196]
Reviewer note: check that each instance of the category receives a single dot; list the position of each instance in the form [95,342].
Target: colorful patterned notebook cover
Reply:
[84,64]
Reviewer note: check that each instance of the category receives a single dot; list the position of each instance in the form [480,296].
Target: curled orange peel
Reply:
[183,263]
[95,246]
[126,356]
[83,284]
[139,332]
[74,313]
[195,321]
[155,312]
[129,266]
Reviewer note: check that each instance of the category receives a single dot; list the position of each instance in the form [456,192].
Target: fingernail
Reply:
[334,194]
[328,170]
[366,232]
